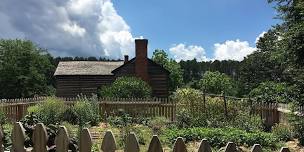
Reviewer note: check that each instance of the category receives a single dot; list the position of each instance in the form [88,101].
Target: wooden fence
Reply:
[16,109]
[108,144]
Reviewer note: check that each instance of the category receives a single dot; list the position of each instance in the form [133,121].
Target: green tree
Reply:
[217,83]
[24,70]
[176,73]
[273,92]
[127,87]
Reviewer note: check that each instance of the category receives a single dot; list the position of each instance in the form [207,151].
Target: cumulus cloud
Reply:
[183,52]
[260,35]
[68,27]
[232,50]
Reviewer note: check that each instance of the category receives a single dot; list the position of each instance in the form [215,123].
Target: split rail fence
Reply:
[108,144]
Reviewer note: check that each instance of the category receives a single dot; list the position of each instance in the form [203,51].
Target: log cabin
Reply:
[86,77]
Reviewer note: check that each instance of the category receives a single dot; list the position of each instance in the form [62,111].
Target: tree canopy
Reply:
[217,83]
[175,77]
[25,69]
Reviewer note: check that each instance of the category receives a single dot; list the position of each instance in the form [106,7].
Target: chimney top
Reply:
[126,59]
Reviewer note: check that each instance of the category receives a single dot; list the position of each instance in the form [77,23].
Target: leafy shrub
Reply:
[245,121]
[127,87]
[7,131]
[158,123]
[298,124]
[282,131]
[30,121]
[83,112]
[218,137]
[273,92]
[3,118]
[49,111]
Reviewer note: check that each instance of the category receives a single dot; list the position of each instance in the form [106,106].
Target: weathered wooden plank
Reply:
[179,145]
[108,142]
[132,143]
[230,147]
[40,138]
[284,149]
[62,140]
[18,138]
[85,141]
[155,145]
[204,146]
[256,148]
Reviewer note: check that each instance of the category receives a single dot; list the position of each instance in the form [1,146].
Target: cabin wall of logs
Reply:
[108,143]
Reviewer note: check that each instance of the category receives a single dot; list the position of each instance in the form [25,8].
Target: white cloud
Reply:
[74,29]
[260,35]
[68,27]
[183,52]
[232,50]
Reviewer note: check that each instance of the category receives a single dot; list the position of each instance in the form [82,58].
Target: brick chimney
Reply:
[141,60]
[126,59]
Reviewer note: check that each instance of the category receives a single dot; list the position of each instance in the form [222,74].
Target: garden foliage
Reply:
[127,87]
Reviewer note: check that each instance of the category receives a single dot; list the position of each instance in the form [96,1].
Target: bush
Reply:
[127,87]
[191,112]
[157,124]
[49,111]
[282,131]
[3,118]
[83,112]
[218,137]
[273,92]
[298,124]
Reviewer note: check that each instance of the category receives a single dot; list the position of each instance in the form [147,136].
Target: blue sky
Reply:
[197,22]
[186,29]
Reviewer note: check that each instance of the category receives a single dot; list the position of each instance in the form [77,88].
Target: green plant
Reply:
[282,131]
[49,111]
[85,112]
[273,92]
[298,125]
[218,137]
[217,83]
[7,131]
[158,123]
[127,87]
[3,118]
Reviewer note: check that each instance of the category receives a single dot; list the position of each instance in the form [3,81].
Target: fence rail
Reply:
[271,113]
[108,144]
[16,109]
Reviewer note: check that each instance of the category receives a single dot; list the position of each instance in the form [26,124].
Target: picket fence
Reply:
[108,144]
[16,109]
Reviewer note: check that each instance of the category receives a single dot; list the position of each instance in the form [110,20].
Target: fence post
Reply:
[179,145]
[132,143]
[256,148]
[230,147]
[225,104]
[155,145]
[85,141]
[18,138]
[40,138]
[62,140]
[284,149]
[108,142]
[204,146]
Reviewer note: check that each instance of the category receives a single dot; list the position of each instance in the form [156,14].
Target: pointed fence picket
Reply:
[108,144]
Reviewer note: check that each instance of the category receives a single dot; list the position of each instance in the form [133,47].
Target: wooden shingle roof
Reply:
[87,67]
